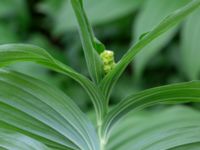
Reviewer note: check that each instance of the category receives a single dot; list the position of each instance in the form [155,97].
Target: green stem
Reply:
[93,60]
[102,140]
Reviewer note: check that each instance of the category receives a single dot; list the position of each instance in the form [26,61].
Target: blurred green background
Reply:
[51,24]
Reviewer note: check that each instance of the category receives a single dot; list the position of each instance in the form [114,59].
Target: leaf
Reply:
[44,113]
[169,22]
[12,53]
[174,93]
[163,129]
[148,18]
[190,46]
[99,12]
[12,140]
[93,60]
[99,46]
[193,146]
[143,35]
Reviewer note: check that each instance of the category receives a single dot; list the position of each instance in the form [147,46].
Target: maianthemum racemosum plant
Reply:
[36,116]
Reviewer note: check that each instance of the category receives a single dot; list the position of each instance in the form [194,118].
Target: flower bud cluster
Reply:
[107,58]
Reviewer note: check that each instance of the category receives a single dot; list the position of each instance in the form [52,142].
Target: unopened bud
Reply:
[107,58]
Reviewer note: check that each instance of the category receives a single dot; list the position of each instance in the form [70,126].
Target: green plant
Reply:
[35,115]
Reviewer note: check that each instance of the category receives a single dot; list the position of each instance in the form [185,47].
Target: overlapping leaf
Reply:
[44,113]
[192,146]
[169,22]
[12,53]
[94,63]
[175,93]
[190,47]
[12,140]
[174,127]
[99,12]
[146,21]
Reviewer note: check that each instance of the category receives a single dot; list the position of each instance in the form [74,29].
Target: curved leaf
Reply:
[12,53]
[148,18]
[93,60]
[169,22]
[175,93]
[44,113]
[190,47]
[12,140]
[99,12]
[173,127]
[193,146]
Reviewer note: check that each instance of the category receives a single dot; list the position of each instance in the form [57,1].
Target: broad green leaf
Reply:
[190,47]
[193,146]
[93,60]
[173,127]
[44,113]
[149,17]
[175,93]
[169,22]
[12,53]
[98,11]
[15,141]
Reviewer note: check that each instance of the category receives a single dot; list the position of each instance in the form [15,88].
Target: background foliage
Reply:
[173,57]
[51,117]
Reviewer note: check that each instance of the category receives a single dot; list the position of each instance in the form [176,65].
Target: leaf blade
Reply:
[190,46]
[48,106]
[112,10]
[161,129]
[176,93]
[13,140]
[146,21]
[12,53]
[169,22]
[93,60]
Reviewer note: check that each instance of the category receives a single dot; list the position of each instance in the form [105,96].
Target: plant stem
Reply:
[102,140]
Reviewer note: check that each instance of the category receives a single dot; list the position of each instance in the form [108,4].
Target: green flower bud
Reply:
[107,58]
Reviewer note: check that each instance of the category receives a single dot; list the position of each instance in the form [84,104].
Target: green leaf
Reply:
[148,18]
[99,11]
[169,22]
[93,60]
[99,46]
[143,35]
[44,113]
[175,93]
[193,146]
[12,53]
[190,47]
[12,140]
[173,127]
